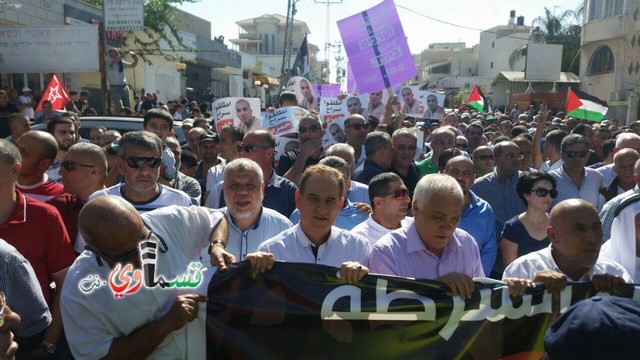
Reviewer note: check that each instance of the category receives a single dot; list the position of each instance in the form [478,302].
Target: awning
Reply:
[266,80]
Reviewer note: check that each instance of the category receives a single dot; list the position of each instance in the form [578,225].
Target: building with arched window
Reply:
[610,55]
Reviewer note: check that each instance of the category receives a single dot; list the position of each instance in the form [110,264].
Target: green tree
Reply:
[556,29]
[159,22]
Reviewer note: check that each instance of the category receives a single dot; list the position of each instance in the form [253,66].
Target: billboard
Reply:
[543,62]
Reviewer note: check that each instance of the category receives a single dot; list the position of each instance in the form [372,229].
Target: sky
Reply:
[424,21]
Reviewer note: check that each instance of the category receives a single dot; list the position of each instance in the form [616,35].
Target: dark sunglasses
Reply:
[405,147]
[72,165]
[312,128]
[485,157]
[541,192]
[580,154]
[122,259]
[136,162]
[397,194]
[250,148]
[358,127]
[462,146]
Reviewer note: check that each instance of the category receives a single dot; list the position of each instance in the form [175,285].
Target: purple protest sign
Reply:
[377,48]
[330,90]
[351,81]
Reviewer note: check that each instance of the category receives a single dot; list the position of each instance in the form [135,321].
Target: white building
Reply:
[498,43]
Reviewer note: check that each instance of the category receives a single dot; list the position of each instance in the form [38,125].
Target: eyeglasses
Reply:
[136,162]
[462,146]
[485,157]
[580,154]
[250,148]
[397,194]
[542,192]
[312,128]
[358,127]
[122,258]
[402,147]
[72,165]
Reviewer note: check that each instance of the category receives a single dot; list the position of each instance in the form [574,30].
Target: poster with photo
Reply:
[304,91]
[332,109]
[432,103]
[283,145]
[334,133]
[409,98]
[283,121]
[238,112]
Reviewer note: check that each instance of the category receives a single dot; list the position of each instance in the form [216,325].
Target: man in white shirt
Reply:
[315,240]
[140,157]
[575,233]
[390,203]
[250,223]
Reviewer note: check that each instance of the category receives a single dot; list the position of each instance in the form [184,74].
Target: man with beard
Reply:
[250,223]
[477,218]
[140,156]
[473,133]
[410,104]
[404,151]
[63,129]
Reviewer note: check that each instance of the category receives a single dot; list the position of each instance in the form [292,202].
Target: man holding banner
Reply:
[432,247]
[575,232]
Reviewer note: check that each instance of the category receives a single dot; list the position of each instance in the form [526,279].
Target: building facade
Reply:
[610,55]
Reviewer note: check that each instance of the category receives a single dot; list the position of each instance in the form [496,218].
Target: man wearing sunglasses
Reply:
[404,142]
[38,150]
[431,246]
[293,163]
[574,180]
[389,203]
[83,171]
[356,128]
[36,230]
[477,218]
[155,321]
[140,157]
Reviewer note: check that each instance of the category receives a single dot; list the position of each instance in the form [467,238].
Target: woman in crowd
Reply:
[527,232]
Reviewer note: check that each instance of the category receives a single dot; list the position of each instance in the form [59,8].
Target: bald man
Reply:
[154,321]
[38,150]
[623,164]
[623,141]
[575,232]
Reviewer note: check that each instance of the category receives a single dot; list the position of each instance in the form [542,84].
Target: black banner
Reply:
[304,311]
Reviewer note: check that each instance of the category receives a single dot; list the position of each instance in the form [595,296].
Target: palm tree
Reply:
[555,29]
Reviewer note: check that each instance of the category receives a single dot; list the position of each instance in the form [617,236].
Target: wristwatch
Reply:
[48,347]
[214,242]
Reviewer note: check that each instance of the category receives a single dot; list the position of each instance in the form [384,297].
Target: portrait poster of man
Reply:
[433,104]
[334,133]
[304,91]
[284,144]
[332,108]
[247,114]
[283,121]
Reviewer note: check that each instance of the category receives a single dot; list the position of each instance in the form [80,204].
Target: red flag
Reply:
[56,93]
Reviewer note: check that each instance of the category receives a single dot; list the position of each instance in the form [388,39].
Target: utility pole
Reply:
[288,40]
[327,43]
[339,64]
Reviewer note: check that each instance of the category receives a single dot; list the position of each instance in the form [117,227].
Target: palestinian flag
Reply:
[477,100]
[302,64]
[581,105]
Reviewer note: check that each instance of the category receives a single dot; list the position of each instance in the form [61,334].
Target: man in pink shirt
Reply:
[431,246]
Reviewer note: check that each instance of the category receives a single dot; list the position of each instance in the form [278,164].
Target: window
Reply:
[599,9]
[601,61]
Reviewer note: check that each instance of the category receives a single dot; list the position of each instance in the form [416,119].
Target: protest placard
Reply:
[304,91]
[283,121]
[377,48]
[237,112]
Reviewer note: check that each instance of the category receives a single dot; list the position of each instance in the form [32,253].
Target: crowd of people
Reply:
[523,197]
